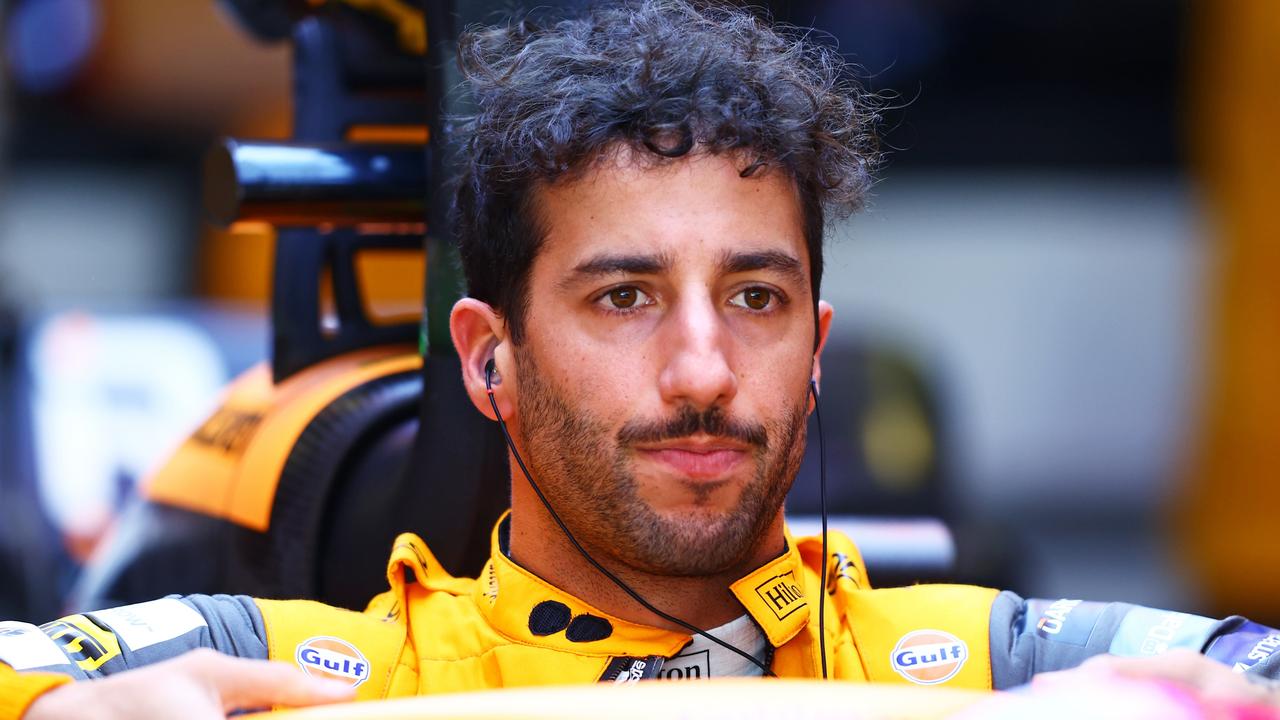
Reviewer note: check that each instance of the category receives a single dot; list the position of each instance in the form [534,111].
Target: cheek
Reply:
[774,364]
[613,367]
[611,392]
[772,395]
[603,380]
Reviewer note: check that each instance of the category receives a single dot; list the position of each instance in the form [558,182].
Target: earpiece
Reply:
[491,375]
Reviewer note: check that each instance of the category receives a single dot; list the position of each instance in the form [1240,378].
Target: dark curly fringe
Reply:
[664,78]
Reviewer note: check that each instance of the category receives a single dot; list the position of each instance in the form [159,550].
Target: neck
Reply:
[538,544]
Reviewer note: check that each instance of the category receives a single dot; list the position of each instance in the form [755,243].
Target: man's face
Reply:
[663,382]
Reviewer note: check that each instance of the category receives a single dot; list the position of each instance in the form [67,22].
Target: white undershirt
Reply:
[703,658]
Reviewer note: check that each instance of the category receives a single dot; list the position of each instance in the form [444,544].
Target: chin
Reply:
[695,540]
[676,496]
[694,521]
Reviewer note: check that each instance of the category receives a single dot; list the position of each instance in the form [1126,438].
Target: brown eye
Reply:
[625,297]
[622,297]
[756,298]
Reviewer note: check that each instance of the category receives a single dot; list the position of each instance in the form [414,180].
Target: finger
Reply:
[1209,679]
[1187,668]
[1090,669]
[247,684]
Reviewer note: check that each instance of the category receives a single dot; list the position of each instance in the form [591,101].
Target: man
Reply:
[640,217]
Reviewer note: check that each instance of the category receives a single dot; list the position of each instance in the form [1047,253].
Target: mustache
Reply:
[687,421]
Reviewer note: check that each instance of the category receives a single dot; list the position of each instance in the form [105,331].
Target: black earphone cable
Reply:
[488,383]
[822,482]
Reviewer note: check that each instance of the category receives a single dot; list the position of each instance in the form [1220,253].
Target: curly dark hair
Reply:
[665,78]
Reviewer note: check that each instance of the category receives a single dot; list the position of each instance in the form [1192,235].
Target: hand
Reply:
[201,685]
[1211,681]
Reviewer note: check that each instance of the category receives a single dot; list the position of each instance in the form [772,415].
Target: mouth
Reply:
[697,458]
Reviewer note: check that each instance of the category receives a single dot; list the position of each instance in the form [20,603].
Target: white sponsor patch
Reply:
[23,646]
[150,623]
[929,657]
[333,658]
[693,665]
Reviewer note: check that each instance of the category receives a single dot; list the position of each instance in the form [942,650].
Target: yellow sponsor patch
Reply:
[88,645]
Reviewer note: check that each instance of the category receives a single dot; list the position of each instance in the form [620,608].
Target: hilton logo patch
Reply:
[329,657]
[781,594]
[929,657]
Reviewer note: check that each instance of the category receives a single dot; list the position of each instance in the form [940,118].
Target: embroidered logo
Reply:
[332,658]
[841,567]
[929,657]
[781,594]
[89,645]
[633,674]
[625,670]
[491,584]
[1265,648]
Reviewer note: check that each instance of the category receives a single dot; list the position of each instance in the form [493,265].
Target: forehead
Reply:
[694,207]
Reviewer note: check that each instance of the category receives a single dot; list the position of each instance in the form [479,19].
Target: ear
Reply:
[825,313]
[479,335]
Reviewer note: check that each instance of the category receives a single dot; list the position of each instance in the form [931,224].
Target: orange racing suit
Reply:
[434,633]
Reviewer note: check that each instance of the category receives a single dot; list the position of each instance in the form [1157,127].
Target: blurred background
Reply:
[1062,300]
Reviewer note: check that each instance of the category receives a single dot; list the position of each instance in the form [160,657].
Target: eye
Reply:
[625,297]
[753,298]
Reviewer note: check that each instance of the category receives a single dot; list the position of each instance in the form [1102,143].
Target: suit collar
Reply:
[529,610]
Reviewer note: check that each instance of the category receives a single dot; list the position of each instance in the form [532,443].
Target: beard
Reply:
[586,473]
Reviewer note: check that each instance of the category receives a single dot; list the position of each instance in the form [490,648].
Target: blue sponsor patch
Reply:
[1065,621]
[1145,631]
[1245,646]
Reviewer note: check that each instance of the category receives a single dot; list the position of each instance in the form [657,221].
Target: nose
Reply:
[695,349]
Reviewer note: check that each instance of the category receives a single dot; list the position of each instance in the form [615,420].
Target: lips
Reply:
[697,461]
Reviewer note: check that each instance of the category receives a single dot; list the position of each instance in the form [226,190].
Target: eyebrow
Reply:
[774,260]
[653,264]
[605,265]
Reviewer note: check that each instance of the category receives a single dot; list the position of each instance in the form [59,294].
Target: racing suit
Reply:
[434,633]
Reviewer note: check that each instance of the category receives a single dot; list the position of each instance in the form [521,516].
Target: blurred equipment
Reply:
[47,42]
[311,467]
[296,183]
[29,544]
[1228,510]
[100,410]
[83,418]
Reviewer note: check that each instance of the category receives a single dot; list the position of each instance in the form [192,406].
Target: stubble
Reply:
[587,474]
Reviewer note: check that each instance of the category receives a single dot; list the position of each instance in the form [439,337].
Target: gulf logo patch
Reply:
[928,657]
[329,657]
